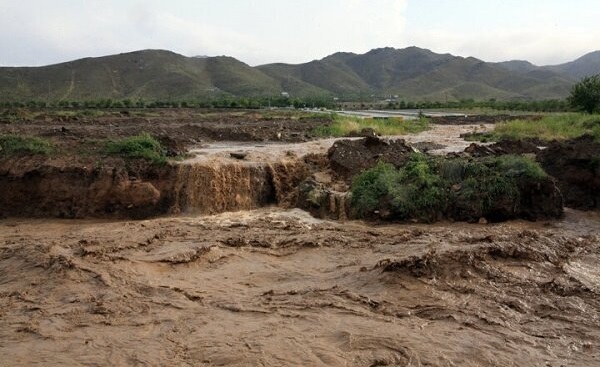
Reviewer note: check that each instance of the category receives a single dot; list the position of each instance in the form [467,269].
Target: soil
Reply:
[574,163]
[350,157]
[264,285]
[576,166]
[505,146]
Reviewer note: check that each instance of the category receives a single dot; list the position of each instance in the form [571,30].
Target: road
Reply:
[405,114]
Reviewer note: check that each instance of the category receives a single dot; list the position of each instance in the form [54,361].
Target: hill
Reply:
[584,66]
[148,74]
[411,74]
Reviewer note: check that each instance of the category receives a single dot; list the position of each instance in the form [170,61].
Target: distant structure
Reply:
[285,94]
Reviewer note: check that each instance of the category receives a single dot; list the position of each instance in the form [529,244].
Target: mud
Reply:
[505,146]
[576,166]
[175,127]
[273,287]
[348,158]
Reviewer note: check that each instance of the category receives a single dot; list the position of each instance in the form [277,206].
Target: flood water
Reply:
[276,287]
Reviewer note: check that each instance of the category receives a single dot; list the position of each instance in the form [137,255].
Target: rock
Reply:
[482,220]
[366,132]
[238,155]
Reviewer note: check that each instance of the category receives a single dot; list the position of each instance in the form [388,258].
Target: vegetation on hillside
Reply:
[25,145]
[139,146]
[549,127]
[428,187]
[346,125]
[155,75]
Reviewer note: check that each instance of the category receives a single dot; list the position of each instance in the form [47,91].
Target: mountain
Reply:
[148,74]
[412,73]
[584,66]
[415,73]
[520,66]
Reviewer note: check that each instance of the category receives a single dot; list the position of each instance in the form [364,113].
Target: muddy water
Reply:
[446,135]
[274,287]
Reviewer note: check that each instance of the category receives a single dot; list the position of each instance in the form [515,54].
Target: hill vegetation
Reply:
[410,74]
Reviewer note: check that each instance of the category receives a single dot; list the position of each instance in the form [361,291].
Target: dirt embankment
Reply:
[347,158]
[574,163]
[40,187]
[78,179]
[532,198]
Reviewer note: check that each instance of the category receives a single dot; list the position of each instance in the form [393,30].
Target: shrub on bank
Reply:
[16,144]
[139,146]
[429,189]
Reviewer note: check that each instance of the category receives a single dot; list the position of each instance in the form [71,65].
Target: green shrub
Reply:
[15,145]
[413,191]
[550,127]
[344,125]
[139,146]
[427,188]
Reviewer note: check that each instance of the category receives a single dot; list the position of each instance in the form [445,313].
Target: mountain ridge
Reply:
[411,73]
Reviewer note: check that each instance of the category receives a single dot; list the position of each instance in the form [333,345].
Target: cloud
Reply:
[39,32]
[540,46]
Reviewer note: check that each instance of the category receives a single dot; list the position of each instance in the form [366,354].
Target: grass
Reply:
[549,127]
[427,188]
[139,146]
[345,125]
[24,145]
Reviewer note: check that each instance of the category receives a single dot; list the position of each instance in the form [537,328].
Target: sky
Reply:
[42,32]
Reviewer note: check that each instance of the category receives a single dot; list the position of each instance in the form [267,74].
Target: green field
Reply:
[345,125]
[547,128]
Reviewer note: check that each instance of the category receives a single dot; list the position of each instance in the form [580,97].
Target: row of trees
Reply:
[251,103]
[585,95]
[223,102]
[551,105]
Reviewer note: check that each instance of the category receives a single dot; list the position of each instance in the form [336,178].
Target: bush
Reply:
[428,188]
[15,144]
[585,95]
[413,191]
[139,146]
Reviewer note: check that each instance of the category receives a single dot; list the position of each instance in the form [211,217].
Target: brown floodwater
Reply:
[274,287]
[447,136]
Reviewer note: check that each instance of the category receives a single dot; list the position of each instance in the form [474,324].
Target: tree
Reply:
[585,95]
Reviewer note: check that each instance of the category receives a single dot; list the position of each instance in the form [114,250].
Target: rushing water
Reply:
[274,287]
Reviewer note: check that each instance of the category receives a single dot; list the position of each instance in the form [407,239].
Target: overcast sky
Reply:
[40,32]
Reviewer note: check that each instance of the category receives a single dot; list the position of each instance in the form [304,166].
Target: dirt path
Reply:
[274,287]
